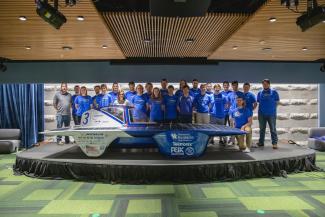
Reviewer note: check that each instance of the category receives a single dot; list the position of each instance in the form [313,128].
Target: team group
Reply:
[202,104]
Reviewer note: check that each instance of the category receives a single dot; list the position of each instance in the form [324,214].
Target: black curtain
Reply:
[22,107]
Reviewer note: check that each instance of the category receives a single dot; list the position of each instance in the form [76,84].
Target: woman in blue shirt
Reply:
[242,119]
[83,103]
[179,92]
[139,102]
[155,104]
[170,105]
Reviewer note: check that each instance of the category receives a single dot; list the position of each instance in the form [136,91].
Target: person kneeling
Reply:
[242,118]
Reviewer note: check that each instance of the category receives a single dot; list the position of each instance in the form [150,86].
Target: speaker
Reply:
[179,8]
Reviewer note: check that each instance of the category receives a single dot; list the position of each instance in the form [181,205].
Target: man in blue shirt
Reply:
[195,90]
[104,99]
[232,96]
[243,119]
[74,109]
[97,94]
[225,93]
[114,92]
[164,84]
[209,89]
[268,100]
[250,98]
[131,93]
[185,106]
[203,102]
[170,105]
[148,92]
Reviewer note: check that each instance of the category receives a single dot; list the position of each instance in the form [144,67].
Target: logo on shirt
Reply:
[237,114]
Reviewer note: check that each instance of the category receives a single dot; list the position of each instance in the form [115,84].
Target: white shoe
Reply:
[246,150]
[60,143]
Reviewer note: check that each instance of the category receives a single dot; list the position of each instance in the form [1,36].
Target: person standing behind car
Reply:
[203,102]
[155,105]
[74,109]
[83,103]
[62,104]
[268,100]
[250,98]
[185,106]
[225,93]
[139,102]
[131,93]
[170,106]
[97,94]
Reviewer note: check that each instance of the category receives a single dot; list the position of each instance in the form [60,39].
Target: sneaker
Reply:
[259,144]
[246,150]
[275,146]
[60,142]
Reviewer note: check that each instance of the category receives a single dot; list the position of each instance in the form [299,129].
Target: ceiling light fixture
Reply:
[304,49]
[189,40]
[272,19]
[22,18]
[147,40]
[235,47]
[67,48]
[80,18]
[266,49]
[28,47]
[104,46]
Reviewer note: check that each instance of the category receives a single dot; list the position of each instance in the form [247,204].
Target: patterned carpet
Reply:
[300,195]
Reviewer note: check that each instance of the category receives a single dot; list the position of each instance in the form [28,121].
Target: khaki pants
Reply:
[202,118]
[241,139]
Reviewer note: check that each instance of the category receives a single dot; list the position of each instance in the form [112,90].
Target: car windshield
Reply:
[117,112]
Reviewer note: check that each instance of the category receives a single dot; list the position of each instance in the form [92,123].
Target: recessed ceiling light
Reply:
[22,18]
[28,47]
[147,40]
[266,49]
[80,18]
[189,40]
[104,46]
[272,19]
[304,49]
[67,48]
[235,47]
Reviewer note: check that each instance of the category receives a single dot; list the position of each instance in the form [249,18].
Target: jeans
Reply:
[76,119]
[60,121]
[271,120]
[227,120]
[218,121]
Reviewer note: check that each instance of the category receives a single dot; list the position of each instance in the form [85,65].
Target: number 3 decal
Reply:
[86,118]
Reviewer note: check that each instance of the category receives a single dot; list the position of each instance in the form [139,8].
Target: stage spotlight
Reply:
[322,67]
[50,13]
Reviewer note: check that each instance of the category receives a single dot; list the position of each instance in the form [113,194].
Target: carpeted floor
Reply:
[298,195]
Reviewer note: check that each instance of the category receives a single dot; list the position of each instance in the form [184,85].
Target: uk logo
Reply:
[174,136]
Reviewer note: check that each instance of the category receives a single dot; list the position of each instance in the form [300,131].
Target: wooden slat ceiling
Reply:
[86,37]
[168,34]
[283,36]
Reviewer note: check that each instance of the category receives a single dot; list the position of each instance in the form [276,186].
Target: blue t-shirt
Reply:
[209,93]
[195,92]
[147,95]
[105,100]
[225,94]
[185,105]
[240,116]
[170,103]
[232,98]
[218,109]
[129,95]
[202,102]
[96,100]
[84,103]
[74,109]
[140,106]
[163,92]
[179,93]
[267,100]
[113,96]
[250,99]
[156,112]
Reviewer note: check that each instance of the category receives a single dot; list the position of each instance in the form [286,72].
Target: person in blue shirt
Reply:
[170,105]
[243,119]
[148,93]
[155,105]
[185,106]
[97,94]
[250,98]
[268,100]
[114,92]
[83,103]
[203,102]
[179,92]
[195,90]
[209,89]
[139,102]
[104,99]
[225,93]
[131,93]
[74,110]
[121,99]
[163,89]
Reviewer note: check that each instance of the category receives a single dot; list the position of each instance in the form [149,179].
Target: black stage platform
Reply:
[147,165]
